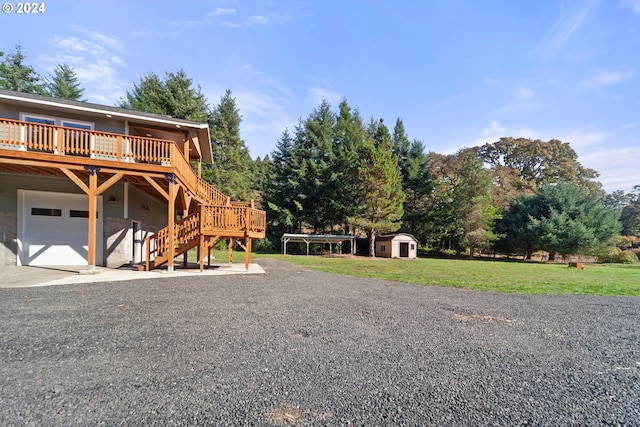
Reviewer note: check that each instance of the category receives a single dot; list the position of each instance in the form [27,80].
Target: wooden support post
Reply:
[247,254]
[230,251]
[171,217]
[93,214]
[201,252]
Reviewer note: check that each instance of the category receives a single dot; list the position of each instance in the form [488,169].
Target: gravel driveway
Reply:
[297,347]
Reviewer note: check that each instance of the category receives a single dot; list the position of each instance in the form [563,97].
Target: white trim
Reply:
[104,112]
[56,120]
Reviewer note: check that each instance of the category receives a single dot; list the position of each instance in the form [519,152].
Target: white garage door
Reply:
[53,228]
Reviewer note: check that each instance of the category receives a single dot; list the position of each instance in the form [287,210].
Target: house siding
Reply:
[118,234]
[10,111]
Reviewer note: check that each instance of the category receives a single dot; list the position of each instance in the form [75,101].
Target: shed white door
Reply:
[53,228]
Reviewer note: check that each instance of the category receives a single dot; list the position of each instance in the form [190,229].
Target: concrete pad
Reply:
[23,277]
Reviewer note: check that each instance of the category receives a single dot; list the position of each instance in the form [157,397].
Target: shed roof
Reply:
[389,237]
[324,238]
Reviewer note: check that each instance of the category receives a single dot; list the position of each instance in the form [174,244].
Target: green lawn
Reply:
[486,275]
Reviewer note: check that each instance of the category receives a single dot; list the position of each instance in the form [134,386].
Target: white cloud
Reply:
[495,129]
[582,139]
[315,96]
[632,4]
[618,167]
[603,78]
[264,118]
[572,16]
[524,93]
[95,62]
[221,11]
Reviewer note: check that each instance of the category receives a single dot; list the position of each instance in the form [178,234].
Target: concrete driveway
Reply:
[24,277]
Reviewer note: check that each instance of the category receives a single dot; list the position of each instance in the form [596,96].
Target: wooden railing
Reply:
[232,218]
[65,141]
[210,220]
[218,215]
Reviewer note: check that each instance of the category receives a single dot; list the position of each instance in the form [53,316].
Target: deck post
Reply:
[230,250]
[93,213]
[171,222]
[247,254]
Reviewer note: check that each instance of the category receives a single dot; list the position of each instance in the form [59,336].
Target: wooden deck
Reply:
[96,160]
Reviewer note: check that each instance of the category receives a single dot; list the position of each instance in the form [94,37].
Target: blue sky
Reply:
[458,72]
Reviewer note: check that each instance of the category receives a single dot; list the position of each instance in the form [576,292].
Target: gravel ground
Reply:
[297,347]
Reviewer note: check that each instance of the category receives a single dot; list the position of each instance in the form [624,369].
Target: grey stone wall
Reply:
[117,242]
[8,238]
[118,238]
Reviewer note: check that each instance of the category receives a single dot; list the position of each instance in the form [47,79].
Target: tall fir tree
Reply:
[175,96]
[382,197]
[320,179]
[349,136]
[16,75]
[64,83]
[231,172]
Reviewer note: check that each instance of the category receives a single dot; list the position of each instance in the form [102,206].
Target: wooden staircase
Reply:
[211,223]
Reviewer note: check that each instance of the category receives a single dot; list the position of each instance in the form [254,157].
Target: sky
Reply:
[459,73]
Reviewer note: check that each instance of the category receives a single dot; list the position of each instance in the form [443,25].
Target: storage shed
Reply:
[401,245]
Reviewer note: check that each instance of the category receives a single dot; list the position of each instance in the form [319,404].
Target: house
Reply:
[88,184]
[401,245]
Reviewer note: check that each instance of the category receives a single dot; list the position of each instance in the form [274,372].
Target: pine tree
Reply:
[174,96]
[349,135]
[320,178]
[232,165]
[382,197]
[15,75]
[64,83]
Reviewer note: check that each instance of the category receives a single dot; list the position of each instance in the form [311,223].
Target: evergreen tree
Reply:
[174,96]
[380,208]
[630,213]
[282,188]
[232,165]
[562,218]
[64,83]
[16,75]
[320,180]
[418,186]
[349,135]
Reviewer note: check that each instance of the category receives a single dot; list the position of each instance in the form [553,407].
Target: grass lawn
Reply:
[486,275]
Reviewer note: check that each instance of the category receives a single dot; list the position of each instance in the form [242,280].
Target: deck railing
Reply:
[232,218]
[218,213]
[64,141]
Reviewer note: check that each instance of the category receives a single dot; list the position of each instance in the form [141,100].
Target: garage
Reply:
[53,228]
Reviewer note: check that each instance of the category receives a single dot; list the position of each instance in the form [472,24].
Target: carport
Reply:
[319,238]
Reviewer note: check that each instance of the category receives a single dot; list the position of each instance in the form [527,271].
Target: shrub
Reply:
[617,256]
[625,242]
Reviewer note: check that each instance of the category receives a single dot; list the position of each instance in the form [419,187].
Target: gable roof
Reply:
[91,109]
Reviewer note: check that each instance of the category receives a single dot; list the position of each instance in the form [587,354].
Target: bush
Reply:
[617,256]
[625,242]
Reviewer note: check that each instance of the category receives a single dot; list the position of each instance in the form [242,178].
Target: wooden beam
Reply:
[108,183]
[157,187]
[77,180]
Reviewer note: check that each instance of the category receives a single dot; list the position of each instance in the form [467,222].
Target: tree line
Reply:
[336,172]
